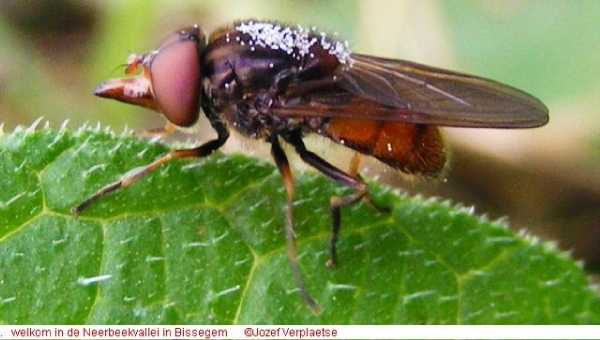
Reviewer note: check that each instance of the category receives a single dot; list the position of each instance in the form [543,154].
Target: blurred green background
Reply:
[547,180]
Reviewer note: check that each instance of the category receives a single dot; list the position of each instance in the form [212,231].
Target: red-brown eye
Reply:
[175,73]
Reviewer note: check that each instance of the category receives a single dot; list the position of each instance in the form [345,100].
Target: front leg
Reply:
[164,131]
[201,151]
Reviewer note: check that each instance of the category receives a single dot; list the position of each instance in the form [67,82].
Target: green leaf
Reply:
[202,241]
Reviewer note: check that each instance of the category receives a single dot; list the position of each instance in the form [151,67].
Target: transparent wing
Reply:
[396,90]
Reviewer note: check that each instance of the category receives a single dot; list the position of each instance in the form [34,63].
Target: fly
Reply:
[279,83]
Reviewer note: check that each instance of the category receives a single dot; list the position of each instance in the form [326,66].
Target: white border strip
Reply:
[299,332]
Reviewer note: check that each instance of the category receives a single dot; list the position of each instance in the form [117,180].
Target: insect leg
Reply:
[353,171]
[168,129]
[336,202]
[354,164]
[201,151]
[288,180]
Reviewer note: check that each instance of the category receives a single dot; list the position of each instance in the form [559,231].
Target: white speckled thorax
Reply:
[295,41]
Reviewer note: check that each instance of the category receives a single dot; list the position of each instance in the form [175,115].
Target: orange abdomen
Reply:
[411,148]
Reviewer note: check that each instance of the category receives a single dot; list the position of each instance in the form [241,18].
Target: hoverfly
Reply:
[278,83]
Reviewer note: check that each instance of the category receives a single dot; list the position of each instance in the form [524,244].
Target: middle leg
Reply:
[336,202]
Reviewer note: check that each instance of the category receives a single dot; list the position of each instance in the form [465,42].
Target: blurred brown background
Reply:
[545,180]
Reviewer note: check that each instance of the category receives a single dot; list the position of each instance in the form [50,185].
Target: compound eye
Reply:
[175,73]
